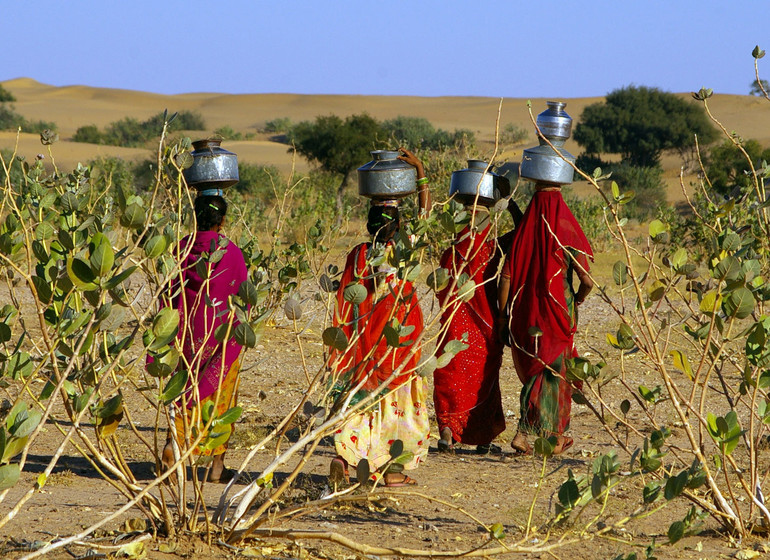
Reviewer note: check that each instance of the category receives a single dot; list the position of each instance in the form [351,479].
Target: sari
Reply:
[546,246]
[466,393]
[368,360]
[202,304]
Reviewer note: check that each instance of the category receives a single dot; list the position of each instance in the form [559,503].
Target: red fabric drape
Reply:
[537,266]
[369,319]
[467,391]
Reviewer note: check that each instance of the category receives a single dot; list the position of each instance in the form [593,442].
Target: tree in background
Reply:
[419,133]
[727,167]
[757,87]
[5,95]
[338,146]
[640,123]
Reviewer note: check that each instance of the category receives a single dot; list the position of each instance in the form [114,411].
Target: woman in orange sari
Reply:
[540,304]
[370,361]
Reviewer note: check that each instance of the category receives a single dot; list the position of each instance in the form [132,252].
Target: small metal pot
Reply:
[386,177]
[213,167]
[466,183]
[544,163]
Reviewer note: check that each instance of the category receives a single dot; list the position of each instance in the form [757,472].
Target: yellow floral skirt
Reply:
[402,414]
[214,443]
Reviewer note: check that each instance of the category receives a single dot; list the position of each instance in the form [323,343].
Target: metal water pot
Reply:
[213,167]
[386,177]
[466,183]
[544,163]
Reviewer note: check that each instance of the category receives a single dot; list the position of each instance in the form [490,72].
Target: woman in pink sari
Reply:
[202,302]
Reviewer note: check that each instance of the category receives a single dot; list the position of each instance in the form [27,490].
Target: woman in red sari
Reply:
[370,361]
[466,393]
[549,247]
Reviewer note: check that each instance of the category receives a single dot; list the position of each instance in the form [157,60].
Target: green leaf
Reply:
[80,274]
[620,273]
[355,293]
[363,471]
[293,309]
[133,217]
[676,532]
[396,448]
[174,387]
[20,365]
[615,190]
[428,367]
[569,494]
[26,425]
[248,292]
[391,336]
[102,256]
[111,407]
[731,242]
[657,228]
[710,302]
[230,416]
[682,363]
[165,325]
[679,258]
[728,269]
[739,304]
[545,446]
[163,364]
[454,347]
[497,531]
[335,337]
[656,290]
[466,291]
[245,335]
[625,406]
[9,475]
[651,491]
[156,246]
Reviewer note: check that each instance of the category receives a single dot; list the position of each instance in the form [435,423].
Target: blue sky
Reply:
[428,48]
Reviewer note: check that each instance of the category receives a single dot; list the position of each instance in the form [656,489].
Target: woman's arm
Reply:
[586,284]
[423,193]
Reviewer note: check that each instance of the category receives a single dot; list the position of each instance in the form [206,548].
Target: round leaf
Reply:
[355,293]
[293,309]
[335,337]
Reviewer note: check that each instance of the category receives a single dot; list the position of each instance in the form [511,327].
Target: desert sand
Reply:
[74,106]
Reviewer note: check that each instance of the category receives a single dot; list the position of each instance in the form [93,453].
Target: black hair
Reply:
[209,212]
[383,222]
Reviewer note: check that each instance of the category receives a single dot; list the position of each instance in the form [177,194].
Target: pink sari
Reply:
[202,306]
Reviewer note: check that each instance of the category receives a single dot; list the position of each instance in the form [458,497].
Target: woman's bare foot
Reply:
[394,480]
[218,472]
[446,442]
[520,444]
[562,444]
[167,460]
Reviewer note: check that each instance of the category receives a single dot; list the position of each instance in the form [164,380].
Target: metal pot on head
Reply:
[386,177]
[213,167]
[545,163]
[466,184]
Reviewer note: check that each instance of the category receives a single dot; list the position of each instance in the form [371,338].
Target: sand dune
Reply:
[74,106]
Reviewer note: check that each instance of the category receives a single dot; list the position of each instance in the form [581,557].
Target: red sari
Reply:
[402,413]
[466,392]
[545,247]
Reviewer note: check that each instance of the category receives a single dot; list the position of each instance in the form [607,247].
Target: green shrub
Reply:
[227,133]
[727,168]
[89,134]
[419,133]
[131,132]
[6,95]
[259,181]
[281,125]
[513,134]
[11,120]
[647,184]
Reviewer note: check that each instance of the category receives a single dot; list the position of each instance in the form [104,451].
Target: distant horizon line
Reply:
[211,92]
